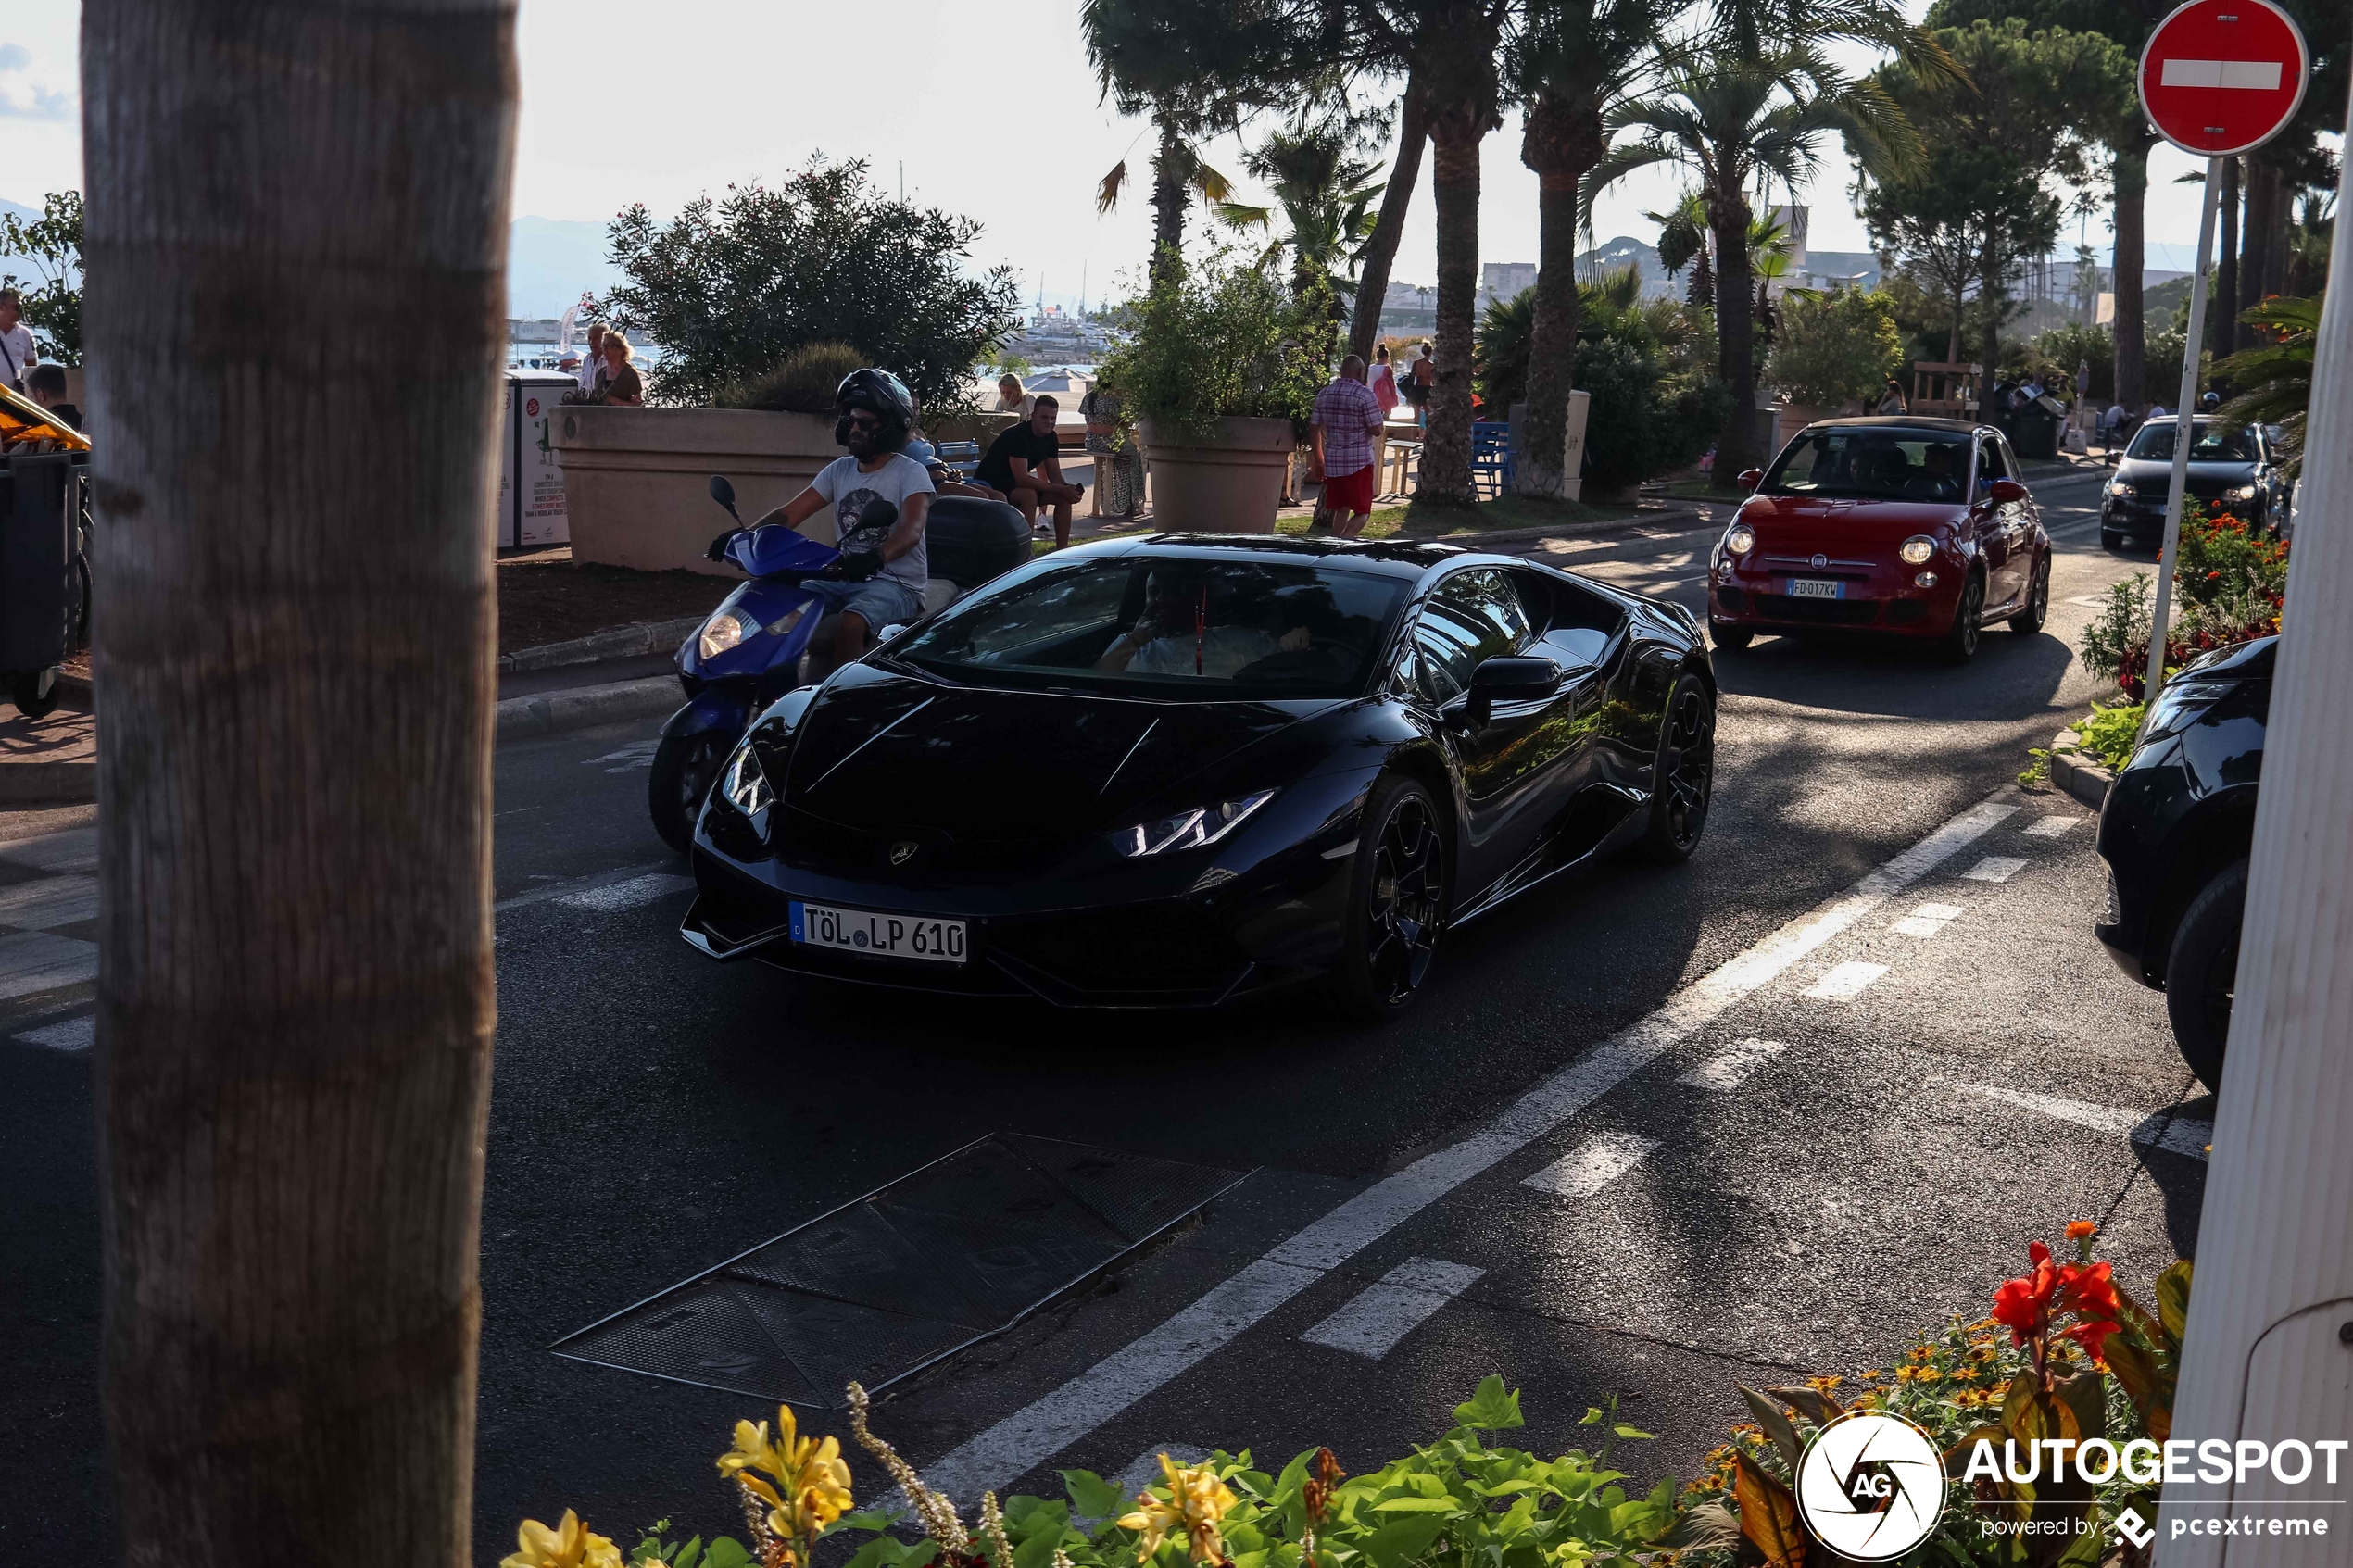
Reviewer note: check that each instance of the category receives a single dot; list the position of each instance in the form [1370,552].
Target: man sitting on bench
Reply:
[1024,464]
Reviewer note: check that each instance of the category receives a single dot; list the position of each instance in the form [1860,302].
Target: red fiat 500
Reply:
[1914,527]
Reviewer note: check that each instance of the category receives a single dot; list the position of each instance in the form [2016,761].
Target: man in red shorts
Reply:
[1346,425]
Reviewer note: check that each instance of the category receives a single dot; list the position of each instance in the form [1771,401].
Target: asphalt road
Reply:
[1602,1155]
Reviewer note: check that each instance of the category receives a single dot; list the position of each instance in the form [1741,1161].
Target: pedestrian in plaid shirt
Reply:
[1346,422]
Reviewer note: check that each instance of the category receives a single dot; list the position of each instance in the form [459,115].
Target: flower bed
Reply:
[2230,581]
[2082,1366]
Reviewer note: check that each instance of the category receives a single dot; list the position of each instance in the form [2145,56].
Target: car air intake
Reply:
[1151,947]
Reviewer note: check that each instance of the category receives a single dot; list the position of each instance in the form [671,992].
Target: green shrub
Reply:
[2110,733]
[1643,420]
[804,382]
[1836,347]
[1220,338]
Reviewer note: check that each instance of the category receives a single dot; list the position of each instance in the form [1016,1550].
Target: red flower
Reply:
[2092,1334]
[2023,1305]
[2088,1292]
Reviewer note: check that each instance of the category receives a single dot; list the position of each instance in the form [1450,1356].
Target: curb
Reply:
[2076,773]
[1554,531]
[579,708]
[618,642]
[48,783]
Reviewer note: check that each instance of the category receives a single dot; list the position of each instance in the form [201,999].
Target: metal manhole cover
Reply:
[883,1286]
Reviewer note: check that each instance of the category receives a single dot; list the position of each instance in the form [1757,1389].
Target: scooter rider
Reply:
[879,580]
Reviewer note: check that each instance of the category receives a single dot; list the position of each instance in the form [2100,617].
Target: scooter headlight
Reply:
[745,783]
[723,631]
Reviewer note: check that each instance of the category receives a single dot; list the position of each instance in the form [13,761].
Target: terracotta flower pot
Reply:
[1227,481]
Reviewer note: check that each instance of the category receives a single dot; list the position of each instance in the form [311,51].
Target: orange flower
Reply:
[2082,1230]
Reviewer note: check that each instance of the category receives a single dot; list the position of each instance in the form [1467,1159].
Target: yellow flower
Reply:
[812,1485]
[1928,1375]
[569,1545]
[1197,1501]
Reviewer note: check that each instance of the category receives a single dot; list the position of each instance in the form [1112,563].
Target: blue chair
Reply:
[962,458]
[1491,455]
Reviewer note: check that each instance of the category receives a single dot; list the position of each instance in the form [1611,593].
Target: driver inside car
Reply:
[1937,480]
[1188,627]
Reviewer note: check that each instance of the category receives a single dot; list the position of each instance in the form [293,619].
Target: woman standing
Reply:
[1119,462]
[1890,400]
[617,379]
[1384,381]
[1420,378]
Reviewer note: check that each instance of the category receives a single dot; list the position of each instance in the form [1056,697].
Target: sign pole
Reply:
[2185,432]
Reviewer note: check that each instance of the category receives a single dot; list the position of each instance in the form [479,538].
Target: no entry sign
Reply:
[2221,77]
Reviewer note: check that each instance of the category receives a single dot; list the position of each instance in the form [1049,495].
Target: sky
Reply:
[989,111]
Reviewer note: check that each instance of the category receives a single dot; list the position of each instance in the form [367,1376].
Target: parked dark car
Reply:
[2234,469]
[1181,770]
[2175,833]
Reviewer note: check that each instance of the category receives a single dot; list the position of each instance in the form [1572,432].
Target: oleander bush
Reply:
[2230,583]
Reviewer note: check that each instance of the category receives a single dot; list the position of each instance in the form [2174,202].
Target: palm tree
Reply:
[2277,374]
[1325,201]
[1572,62]
[1380,244]
[1195,69]
[1735,124]
[1771,253]
[1682,240]
[297,1002]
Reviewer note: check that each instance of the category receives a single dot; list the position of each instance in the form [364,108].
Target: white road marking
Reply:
[2154,1130]
[2051,827]
[1929,919]
[639,754]
[1729,1068]
[1845,980]
[1144,1469]
[1407,1297]
[2257,76]
[2090,601]
[1591,1165]
[1993,868]
[76,849]
[34,960]
[73,1034]
[49,902]
[996,1455]
[573,884]
[614,896]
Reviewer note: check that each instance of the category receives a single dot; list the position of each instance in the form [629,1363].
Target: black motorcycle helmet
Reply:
[882,395]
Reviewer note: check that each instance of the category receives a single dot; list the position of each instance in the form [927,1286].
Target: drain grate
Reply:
[881,1287]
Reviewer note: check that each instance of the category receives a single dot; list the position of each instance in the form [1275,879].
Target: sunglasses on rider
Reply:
[862,419]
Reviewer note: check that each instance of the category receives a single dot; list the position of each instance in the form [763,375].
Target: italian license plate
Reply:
[1814,588]
[884,936]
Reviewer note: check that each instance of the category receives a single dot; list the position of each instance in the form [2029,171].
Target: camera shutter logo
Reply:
[1870,1485]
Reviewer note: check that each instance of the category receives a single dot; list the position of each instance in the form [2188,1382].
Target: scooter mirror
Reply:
[723,492]
[877,514]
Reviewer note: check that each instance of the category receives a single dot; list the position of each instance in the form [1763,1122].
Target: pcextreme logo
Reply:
[1870,1485]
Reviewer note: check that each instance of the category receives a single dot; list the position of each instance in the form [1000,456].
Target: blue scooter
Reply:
[753,650]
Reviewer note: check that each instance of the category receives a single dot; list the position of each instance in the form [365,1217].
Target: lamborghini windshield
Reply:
[1873,462]
[1177,626]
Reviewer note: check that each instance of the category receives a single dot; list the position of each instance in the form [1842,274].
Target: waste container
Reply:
[44,573]
[2034,431]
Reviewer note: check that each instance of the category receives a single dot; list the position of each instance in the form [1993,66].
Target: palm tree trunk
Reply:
[1737,448]
[295,1004]
[1446,448]
[1380,246]
[1563,139]
[2224,326]
[2131,178]
[1171,172]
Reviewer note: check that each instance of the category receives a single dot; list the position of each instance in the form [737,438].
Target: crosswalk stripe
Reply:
[1846,980]
[1591,1165]
[999,1453]
[2051,827]
[73,1034]
[614,896]
[1993,868]
[35,960]
[1408,1295]
[2182,1135]
[1729,1068]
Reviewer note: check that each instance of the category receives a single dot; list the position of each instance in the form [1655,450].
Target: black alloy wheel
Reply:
[1686,773]
[2201,972]
[1397,902]
[1961,642]
[2028,622]
[685,768]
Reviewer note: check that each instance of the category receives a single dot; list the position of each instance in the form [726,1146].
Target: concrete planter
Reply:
[1228,482]
[1790,418]
[637,480]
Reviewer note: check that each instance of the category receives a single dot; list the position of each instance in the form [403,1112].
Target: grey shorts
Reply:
[878,601]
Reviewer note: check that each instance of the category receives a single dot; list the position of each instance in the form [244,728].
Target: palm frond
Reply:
[1107,193]
[1241,214]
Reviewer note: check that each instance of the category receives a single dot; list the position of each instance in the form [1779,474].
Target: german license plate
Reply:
[1814,588]
[883,937]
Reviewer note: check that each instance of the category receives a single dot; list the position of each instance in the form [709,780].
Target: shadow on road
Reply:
[2011,678]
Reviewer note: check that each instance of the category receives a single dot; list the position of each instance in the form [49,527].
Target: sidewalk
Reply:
[50,760]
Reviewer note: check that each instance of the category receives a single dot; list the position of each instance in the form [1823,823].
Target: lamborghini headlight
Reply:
[744,784]
[1188,830]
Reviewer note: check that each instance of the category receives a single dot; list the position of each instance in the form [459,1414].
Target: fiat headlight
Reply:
[721,632]
[1740,540]
[1918,550]
[1188,830]
[744,784]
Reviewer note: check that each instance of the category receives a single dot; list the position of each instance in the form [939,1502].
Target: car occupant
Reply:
[878,581]
[1935,482]
[1188,628]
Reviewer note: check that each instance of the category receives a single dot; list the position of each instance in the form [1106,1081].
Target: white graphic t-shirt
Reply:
[850,489]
